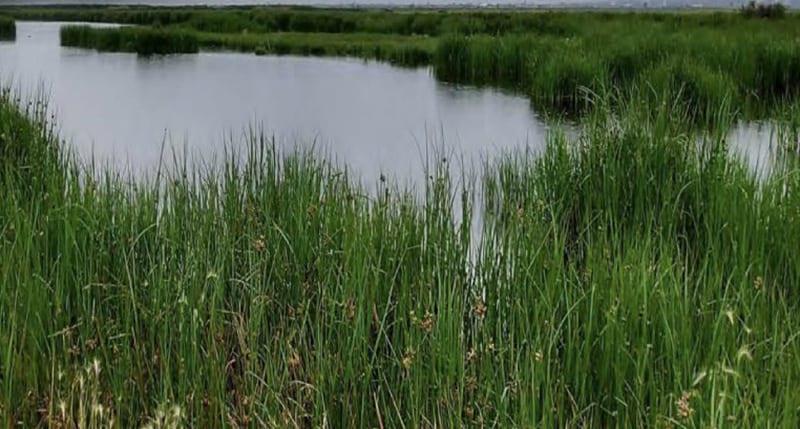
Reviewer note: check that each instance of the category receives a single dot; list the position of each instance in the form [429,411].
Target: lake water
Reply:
[374,117]
[377,119]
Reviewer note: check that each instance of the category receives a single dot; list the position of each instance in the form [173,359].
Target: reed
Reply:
[628,277]
[407,51]
[143,41]
[759,73]
[552,57]
[8,28]
[312,20]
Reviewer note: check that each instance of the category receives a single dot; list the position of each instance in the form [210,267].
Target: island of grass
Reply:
[142,40]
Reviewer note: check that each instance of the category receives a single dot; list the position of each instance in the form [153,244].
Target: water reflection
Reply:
[371,116]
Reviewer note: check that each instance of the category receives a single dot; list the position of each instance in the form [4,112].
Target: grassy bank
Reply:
[702,67]
[400,50]
[142,40]
[8,29]
[623,279]
[312,20]
[407,51]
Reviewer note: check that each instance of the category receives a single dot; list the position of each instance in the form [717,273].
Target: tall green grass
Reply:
[555,58]
[399,50]
[313,20]
[627,277]
[144,41]
[8,29]
[701,69]
[408,51]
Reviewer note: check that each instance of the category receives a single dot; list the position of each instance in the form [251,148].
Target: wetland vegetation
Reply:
[633,275]
[553,57]
[8,29]
[142,40]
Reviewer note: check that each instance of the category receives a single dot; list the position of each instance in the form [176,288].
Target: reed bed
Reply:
[311,20]
[759,73]
[404,51]
[8,28]
[555,58]
[628,277]
[143,41]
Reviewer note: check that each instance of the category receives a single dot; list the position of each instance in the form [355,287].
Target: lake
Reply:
[373,117]
[123,110]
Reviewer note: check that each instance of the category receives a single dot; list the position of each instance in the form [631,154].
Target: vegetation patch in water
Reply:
[408,51]
[144,41]
[8,28]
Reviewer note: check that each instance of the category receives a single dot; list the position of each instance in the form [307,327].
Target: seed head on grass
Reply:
[294,361]
[408,358]
[427,322]
[685,410]
[472,355]
[259,244]
[350,309]
[471,384]
[479,309]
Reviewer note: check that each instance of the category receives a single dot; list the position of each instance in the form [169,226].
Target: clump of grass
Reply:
[566,82]
[626,60]
[755,9]
[699,91]
[8,28]
[635,202]
[483,60]
[399,50]
[143,41]
[776,70]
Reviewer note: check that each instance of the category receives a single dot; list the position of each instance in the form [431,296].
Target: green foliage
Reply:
[8,29]
[776,70]
[635,275]
[314,20]
[549,56]
[698,90]
[398,50]
[144,41]
[483,60]
[565,81]
[761,10]
[624,266]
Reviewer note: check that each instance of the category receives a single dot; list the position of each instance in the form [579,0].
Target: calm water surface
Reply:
[373,117]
